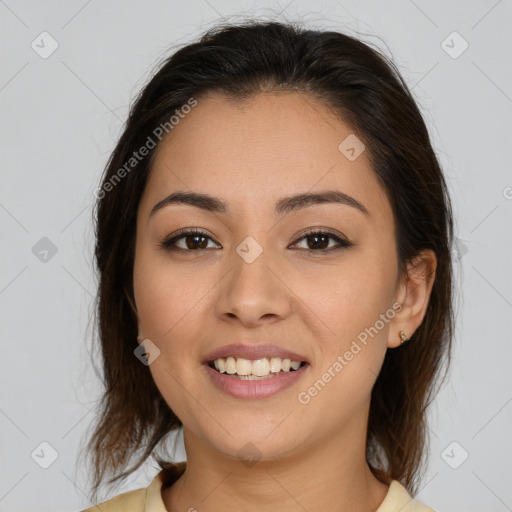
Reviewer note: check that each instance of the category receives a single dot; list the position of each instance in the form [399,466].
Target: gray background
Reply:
[60,117]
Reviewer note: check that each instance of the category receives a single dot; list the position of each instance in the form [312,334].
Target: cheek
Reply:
[350,296]
[349,361]
[169,303]
[167,295]
[354,302]
[175,301]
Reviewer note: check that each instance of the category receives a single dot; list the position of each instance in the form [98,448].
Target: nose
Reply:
[253,293]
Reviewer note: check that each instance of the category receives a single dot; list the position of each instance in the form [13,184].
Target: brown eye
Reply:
[195,241]
[191,240]
[318,241]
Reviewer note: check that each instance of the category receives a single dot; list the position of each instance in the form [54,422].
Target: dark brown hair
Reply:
[366,90]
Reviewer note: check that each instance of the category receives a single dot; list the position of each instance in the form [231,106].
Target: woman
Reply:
[273,245]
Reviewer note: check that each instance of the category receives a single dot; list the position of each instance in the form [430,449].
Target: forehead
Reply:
[253,151]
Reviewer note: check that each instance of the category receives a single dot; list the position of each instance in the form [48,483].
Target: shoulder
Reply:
[131,501]
[142,500]
[398,499]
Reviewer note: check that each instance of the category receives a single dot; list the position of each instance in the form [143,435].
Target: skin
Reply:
[251,154]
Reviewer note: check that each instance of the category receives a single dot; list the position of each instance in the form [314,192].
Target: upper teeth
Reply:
[258,367]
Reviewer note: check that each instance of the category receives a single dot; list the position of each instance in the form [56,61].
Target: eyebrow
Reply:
[285,205]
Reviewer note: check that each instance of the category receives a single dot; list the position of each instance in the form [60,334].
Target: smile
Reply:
[254,379]
[263,367]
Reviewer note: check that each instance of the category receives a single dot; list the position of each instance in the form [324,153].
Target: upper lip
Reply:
[253,352]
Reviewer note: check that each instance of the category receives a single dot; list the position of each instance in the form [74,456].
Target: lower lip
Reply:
[253,389]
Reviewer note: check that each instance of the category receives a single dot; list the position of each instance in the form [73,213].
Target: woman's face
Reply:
[254,278]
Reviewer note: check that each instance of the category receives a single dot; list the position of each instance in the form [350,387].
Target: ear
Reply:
[413,293]
[140,336]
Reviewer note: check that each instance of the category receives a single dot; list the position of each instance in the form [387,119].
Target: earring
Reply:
[403,337]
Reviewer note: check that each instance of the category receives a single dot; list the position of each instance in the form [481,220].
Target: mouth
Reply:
[258,369]
[254,379]
[254,371]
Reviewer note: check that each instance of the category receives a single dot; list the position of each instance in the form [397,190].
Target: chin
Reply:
[251,443]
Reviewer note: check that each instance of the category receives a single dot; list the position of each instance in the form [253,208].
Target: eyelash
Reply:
[167,243]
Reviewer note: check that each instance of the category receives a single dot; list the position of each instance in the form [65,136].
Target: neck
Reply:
[329,475]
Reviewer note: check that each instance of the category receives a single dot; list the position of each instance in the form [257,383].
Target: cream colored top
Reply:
[150,499]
